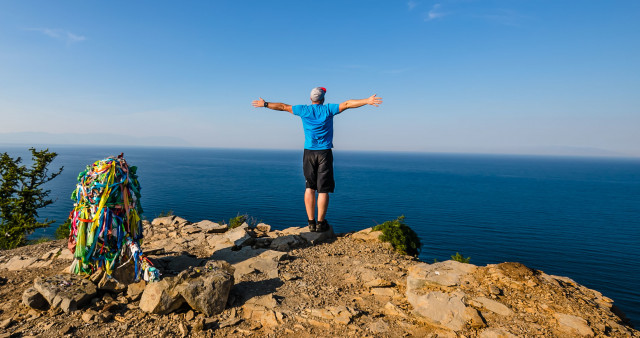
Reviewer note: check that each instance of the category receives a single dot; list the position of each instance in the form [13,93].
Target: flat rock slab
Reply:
[68,292]
[211,227]
[296,237]
[440,308]
[496,333]
[494,306]
[317,237]
[248,260]
[18,263]
[573,325]
[447,273]
[65,255]
[266,262]
[287,242]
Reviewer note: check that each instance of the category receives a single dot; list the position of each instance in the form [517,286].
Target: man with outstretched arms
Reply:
[317,163]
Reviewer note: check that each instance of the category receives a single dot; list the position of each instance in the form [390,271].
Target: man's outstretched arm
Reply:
[272,105]
[372,100]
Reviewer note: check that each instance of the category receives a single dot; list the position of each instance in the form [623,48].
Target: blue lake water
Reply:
[576,217]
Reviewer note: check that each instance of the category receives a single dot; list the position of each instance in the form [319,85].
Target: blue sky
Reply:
[456,76]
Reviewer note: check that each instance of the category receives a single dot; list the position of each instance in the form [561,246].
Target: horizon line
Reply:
[425,152]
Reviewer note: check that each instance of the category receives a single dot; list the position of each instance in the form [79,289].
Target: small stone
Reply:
[189,315]
[230,322]
[198,325]
[473,318]
[183,329]
[104,317]
[34,314]
[383,292]
[379,326]
[107,298]
[392,310]
[66,329]
[5,323]
[111,307]
[494,290]
[87,317]
[263,227]
[288,276]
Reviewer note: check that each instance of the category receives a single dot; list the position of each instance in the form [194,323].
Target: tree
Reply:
[21,195]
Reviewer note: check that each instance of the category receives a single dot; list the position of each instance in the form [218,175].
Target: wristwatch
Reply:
[266,104]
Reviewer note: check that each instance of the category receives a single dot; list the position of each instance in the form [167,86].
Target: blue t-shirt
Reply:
[317,122]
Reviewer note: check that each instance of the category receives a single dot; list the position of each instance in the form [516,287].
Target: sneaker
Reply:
[322,226]
[313,227]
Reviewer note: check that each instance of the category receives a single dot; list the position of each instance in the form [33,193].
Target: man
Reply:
[317,162]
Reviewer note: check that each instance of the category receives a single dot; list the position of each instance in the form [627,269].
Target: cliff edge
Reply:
[254,281]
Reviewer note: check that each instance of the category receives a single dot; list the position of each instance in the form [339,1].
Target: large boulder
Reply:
[33,299]
[161,297]
[68,292]
[206,289]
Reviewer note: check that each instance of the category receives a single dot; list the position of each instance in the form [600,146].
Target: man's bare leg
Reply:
[323,204]
[310,203]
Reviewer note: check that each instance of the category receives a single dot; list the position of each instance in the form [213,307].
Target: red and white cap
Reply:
[317,94]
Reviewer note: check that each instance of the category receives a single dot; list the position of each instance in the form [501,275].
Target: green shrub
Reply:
[22,195]
[401,236]
[237,221]
[63,230]
[459,258]
[165,213]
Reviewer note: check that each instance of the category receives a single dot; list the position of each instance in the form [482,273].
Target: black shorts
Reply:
[318,170]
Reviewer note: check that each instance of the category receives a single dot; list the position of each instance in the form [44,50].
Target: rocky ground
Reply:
[296,283]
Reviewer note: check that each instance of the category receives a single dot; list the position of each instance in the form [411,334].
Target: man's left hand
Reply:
[258,103]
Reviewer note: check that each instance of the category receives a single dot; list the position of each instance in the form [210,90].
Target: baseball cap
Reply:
[317,94]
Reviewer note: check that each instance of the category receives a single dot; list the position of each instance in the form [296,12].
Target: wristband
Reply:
[266,104]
